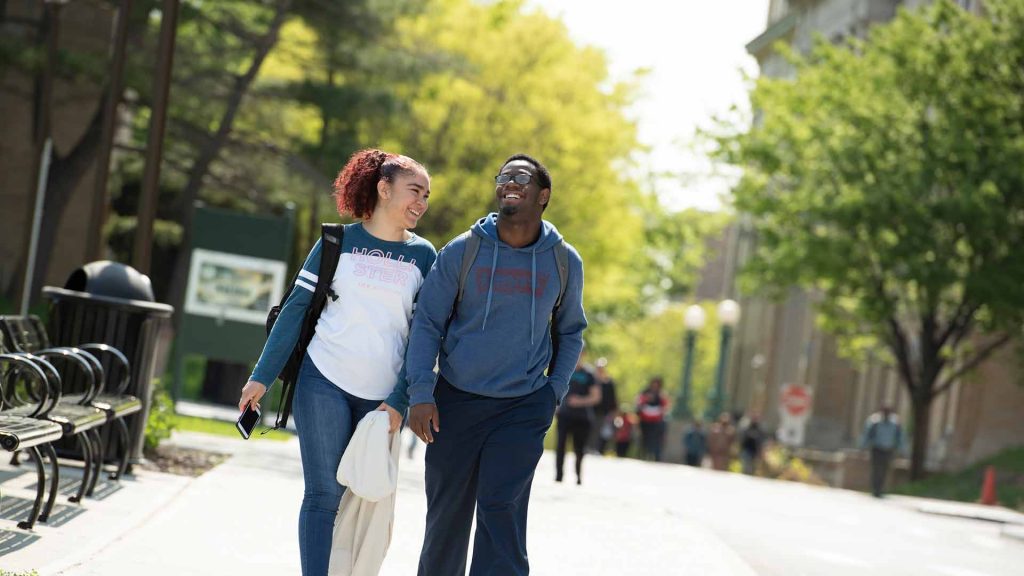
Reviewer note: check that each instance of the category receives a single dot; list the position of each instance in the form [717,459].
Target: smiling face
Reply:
[521,201]
[404,200]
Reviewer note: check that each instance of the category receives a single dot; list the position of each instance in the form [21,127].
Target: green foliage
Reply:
[9,573]
[641,348]
[777,462]
[161,421]
[884,177]
[224,428]
[965,485]
[547,97]
[902,153]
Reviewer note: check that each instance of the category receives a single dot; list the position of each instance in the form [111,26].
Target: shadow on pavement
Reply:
[12,541]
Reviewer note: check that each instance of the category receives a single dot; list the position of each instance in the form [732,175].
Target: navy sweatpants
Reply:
[484,457]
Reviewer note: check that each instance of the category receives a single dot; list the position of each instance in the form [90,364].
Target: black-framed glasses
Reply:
[521,179]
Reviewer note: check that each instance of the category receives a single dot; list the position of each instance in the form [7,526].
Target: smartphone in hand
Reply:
[247,421]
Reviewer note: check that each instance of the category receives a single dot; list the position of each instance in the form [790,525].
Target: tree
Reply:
[886,177]
[514,82]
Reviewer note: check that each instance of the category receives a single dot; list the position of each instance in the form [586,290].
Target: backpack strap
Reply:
[331,238]
[468,257]
[562,264]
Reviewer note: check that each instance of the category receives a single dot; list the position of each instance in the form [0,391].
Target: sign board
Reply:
[238,271]
[795,403]
[232,287]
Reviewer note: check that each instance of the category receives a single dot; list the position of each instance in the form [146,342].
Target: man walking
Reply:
[883,435]
[493,332]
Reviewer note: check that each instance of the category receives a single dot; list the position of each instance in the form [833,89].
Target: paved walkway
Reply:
[243,515]
[244,512]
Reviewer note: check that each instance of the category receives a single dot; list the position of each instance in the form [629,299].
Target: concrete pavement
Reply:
[243,515]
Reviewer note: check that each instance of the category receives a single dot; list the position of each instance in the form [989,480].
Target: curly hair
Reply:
[355,188]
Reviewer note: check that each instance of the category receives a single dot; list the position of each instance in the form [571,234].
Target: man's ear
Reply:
[545,196]
[382,189]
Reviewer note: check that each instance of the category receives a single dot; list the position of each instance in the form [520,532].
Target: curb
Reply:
[974,512]
[1013,531]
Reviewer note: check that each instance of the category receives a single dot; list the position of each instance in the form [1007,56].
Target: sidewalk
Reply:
[243,514]
[1012,521]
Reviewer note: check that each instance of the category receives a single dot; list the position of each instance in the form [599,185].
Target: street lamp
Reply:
[693,319]
[728,317]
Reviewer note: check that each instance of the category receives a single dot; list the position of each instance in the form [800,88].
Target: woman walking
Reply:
[355,361]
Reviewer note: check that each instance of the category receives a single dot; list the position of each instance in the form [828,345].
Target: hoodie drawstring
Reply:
[490,287]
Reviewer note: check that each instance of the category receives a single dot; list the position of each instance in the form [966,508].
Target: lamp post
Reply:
[693,319]
[728,316]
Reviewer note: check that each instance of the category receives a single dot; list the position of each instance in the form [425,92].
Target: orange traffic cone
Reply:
[988,487]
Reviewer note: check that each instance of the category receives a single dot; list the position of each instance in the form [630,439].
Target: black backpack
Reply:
[562,263]
[331,236]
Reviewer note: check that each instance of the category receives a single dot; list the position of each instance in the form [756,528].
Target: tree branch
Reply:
[980,357]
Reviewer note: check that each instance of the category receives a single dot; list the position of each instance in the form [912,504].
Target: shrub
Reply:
[161,421]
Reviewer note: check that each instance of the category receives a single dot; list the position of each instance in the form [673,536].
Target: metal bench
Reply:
[110,395]
[29,432]
[77,421]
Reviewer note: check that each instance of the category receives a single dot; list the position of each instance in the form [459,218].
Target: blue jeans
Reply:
[325,417]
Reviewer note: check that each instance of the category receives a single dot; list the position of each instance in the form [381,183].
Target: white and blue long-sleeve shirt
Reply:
[360,338]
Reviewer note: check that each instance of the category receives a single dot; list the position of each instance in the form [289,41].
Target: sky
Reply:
[696,55]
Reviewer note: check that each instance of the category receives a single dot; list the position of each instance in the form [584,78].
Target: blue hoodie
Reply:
[499,342]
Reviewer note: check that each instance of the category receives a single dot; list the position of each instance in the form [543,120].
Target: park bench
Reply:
[30,432]
[77,421]
[112,371]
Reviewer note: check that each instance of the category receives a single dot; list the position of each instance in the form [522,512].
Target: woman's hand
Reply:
[252,392]
[394,418]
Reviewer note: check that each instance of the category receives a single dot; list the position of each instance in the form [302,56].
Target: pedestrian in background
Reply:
[606,410]
[883,435]
[651,408]
[719,441]
[695,444]
[575,418]
[751,442]
[625,423]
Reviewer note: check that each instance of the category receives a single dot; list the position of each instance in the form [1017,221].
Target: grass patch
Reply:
[222,428]
[965,485]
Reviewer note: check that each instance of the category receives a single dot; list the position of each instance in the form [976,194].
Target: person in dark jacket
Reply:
[606,410]
[883,435]
[695,444]
[576,418]
[651,408]
[751,442]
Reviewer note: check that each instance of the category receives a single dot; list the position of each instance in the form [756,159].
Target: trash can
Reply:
[111,303]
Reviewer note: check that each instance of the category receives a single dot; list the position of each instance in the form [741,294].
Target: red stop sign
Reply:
[795,399]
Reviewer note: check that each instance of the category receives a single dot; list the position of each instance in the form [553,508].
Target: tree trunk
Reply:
[922,410]
[209,152]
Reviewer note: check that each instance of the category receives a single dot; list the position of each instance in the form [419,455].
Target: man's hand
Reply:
[394,418]
[421,416]
[252,392]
